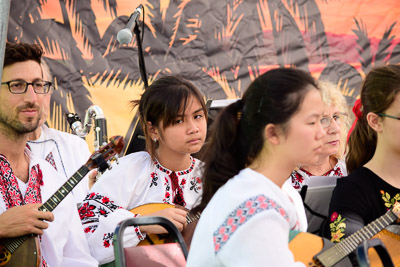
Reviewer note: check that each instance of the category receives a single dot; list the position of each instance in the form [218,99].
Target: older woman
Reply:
[336,123]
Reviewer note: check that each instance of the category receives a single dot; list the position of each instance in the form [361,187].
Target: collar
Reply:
[168,171]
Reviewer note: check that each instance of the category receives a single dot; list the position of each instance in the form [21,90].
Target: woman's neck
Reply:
[173,162]
[322,166]
[385,164]
[272,167]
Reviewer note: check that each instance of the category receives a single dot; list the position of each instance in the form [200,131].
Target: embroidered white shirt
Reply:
[69,152]
[135,181]
[246,223]
[63,243]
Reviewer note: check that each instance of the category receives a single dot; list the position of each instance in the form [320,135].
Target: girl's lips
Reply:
[194,141]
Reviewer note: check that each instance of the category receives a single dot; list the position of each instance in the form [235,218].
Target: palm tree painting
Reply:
[221,46]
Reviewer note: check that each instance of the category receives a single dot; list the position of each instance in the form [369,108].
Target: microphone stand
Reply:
[142,66]
[137,141]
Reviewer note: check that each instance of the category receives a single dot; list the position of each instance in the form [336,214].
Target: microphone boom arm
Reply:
[100,128]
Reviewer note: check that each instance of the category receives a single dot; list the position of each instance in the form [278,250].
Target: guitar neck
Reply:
[336,253]
[192,217]
[64,190]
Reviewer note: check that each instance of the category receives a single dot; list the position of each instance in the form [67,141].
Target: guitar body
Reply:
[27,255]
[305,246]
[392,244]
[155,239]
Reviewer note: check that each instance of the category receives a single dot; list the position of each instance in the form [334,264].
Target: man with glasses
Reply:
[26,181]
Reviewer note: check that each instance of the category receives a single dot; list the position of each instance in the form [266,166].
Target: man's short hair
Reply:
[21,52]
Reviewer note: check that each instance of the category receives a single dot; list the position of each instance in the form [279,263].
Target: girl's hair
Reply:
[377,94]
[163,101]
[238,132]
[331,95]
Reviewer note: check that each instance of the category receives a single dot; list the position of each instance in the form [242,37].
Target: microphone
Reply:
[124,36]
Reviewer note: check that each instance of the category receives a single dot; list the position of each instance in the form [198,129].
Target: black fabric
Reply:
[359,199]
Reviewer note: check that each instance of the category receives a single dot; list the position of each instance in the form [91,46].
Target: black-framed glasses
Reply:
[339,118]
[389,116]
[20,86]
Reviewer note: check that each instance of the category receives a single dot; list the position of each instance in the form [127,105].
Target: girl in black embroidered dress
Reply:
[373,185]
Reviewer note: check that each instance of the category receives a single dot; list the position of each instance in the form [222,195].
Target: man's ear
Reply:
[152,130]
[374,121]
[271,134]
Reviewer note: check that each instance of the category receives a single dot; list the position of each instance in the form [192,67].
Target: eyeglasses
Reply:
[339,119]
[389,116]
[20,87]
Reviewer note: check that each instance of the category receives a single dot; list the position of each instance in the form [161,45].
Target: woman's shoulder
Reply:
[129,164]
[359,175]
[359,182]
[136,158]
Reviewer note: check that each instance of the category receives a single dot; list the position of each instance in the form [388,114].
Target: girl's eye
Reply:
[198,116]
[178,121]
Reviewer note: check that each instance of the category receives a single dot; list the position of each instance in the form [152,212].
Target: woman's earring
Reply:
[155,139]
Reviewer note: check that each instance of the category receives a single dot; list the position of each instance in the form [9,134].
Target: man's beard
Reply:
[15,125]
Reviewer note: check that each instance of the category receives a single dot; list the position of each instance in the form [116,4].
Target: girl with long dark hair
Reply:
[256,143]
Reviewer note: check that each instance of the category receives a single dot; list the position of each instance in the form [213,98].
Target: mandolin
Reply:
[321,252]
[25,250]
[187,233]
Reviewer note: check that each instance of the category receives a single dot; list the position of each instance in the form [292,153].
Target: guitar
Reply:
[321,252]
[187,233]
[25,250]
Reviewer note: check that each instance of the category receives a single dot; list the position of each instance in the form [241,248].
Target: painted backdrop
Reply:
[221,46]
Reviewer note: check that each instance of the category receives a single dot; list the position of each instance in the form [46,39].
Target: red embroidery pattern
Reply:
[241,215]
[154,178]
[33,194]
[107,239]
[177,187]
[50,159]
[161,168]
[44,263]
[95,206]
[195,184]
[177,190]
[298,179]
[167,196]
[9,185]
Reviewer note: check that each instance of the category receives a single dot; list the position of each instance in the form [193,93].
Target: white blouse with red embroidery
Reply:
[300,177]
[246,223]
[135,181]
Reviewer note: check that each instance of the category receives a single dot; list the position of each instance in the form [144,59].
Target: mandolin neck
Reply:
[64,190]
[13,243]
[336,253]
[192,217]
